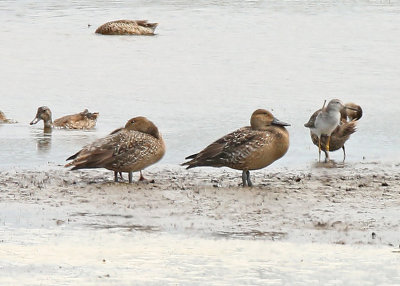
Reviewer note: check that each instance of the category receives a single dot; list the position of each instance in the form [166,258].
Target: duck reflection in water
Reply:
[43,140]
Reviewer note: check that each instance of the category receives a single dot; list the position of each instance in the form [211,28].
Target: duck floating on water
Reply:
[4,119]
[130,149]
[248,148]
[346,117]
[127,27]
[82,120]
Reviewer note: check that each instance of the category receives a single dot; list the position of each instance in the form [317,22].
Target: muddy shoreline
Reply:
[348,205]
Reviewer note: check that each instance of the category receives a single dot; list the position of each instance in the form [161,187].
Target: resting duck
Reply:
[4,119]
[82,120]
[350,114]
[127,27]
[130,149]
[248,148]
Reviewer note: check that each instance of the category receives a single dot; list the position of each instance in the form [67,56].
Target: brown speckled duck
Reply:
[127,27]
[82,120]
[248,148]
[130,149]
[348,123]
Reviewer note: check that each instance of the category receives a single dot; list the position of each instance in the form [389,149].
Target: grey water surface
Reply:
[211,64]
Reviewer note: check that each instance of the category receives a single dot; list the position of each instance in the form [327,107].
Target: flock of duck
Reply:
[139,143]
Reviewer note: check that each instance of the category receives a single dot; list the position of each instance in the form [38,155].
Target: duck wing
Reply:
[313,118]
[116,151]
[227,150]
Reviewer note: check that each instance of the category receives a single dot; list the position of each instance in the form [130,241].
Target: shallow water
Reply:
[211,64]
[47,250]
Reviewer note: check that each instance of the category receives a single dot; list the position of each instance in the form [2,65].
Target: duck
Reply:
[352,111]
[4,119]
[350,114]
[127,27]
[248,148]
[129,149]
[82,120]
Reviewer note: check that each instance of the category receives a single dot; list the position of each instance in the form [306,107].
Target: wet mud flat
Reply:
[341,205]
[322,226]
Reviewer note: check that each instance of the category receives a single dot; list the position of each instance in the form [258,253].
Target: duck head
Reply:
[261,119]
[142,124]
[352,111]
[89,115]
[43,113]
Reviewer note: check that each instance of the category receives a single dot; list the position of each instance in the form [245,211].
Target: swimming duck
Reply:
[127,27]
[82,120]
[2,116]
[350,113]
[4,119]
[132,148]
[248,148]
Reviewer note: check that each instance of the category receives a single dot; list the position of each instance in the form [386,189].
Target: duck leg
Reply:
[246,178]
[130,177]
[115,176]
[344,153]
[249,183]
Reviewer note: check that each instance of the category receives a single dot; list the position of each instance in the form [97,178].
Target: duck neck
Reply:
[48,123]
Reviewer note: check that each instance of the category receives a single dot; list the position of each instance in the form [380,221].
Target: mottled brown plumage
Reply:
[132,148]
[127,27]
[341,134]
[248,148]
[82,120]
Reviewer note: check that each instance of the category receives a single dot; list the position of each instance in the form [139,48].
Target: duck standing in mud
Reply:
[82,120]
[248,148]
[332,126]
[130,149]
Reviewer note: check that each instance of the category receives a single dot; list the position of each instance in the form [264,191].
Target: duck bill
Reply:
[34,121]
[351,108]
[279,123]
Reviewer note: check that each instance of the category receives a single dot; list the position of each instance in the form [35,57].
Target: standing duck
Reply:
[127,27]
[248,148]
[349,114]
[82,120]
[130,149]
